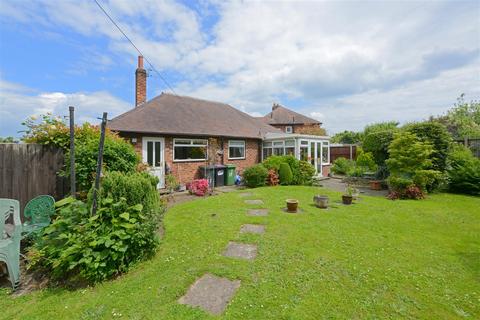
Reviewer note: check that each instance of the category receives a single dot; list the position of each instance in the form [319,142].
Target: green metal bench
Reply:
[37,213]
[10,243]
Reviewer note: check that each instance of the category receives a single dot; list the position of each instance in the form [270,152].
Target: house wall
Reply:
[298,128]
[187,171]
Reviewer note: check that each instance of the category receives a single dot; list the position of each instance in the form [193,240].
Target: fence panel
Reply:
[348,151]
[473,144]
[29,170]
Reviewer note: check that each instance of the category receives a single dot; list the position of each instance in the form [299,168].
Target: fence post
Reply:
[99,163]
[73,190]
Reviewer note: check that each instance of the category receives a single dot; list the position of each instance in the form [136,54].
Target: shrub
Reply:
[437,136]
[305,173]
[285,174]
[342,165]
[408,163]
[377,144]
[78,246]
[463,171]
[272,178]
[198,187]
[118,155]
[135,188]
[274,162]
[365,160]
[255,176]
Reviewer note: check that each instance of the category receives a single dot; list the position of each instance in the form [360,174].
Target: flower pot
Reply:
[292,205]
[321,201]
[346,199]
[375,185]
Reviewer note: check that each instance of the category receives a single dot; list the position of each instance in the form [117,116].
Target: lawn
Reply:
[374,259]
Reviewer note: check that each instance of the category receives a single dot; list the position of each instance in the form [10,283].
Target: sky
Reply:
[345,63]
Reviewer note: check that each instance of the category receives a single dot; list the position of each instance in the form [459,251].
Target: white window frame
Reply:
[288,129]
[238,142]
[191,144]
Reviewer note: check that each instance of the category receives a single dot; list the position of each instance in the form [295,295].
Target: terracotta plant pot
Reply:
[292,205]
[346,199]
[321,201]
[375,185]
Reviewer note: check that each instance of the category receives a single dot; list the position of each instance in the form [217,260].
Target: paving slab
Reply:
[258,212]
[253,228]
[246,194]
[254,201]
[210,293]
[241,250]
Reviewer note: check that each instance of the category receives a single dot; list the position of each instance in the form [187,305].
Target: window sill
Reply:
[190,160]
[237,158]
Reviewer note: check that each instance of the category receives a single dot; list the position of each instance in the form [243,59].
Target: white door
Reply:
[153,154]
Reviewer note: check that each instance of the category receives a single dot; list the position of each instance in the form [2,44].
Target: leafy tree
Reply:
[463,120]
[435,134]
[347,137]
[463,171]
[409,162]
[377,138]
[8,140]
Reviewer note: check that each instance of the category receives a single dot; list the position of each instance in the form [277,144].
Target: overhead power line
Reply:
[136,48]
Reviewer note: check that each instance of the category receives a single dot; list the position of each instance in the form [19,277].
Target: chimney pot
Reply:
[274,106]
[140,62]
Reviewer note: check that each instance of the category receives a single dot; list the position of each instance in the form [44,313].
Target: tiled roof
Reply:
[180,115]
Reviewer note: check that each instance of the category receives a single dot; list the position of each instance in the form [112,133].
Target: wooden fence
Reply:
[29,170]
[348,151]
[473,144]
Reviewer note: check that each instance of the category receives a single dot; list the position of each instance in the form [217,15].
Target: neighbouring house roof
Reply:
[282,115]
[283,136]
[180,115]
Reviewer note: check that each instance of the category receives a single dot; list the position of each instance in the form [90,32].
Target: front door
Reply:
[153,155]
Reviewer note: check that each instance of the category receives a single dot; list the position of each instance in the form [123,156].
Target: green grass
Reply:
[374,259]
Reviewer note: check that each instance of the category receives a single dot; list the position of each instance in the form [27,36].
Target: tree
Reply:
[8,140]
[435,134]
[463,120]
[377,138]
[347,137]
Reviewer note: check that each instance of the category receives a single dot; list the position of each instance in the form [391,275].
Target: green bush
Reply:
[305,173]
[409,162]
[285,174]
[463,171]
[137,187]
[342,165]
[377,144]
[274,162]
[437,136]
[118,155]
[365,160]
[255,176]
[79,247]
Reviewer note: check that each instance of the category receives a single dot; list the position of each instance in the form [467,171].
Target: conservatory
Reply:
[314,149]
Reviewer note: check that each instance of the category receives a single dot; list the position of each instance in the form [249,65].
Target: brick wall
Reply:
[297,128]
[187,171]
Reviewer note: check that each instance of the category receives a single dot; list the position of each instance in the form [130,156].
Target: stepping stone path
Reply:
[210,293]
[252,228]
[246,194]
[241,250]
[253,201]
[258,212]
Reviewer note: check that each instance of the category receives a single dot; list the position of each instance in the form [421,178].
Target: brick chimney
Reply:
[140,83]
[275,106]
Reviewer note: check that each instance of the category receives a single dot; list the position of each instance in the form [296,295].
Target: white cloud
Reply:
[27,102]
[351,62]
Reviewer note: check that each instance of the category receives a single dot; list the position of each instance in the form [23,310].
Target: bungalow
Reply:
[179,134]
